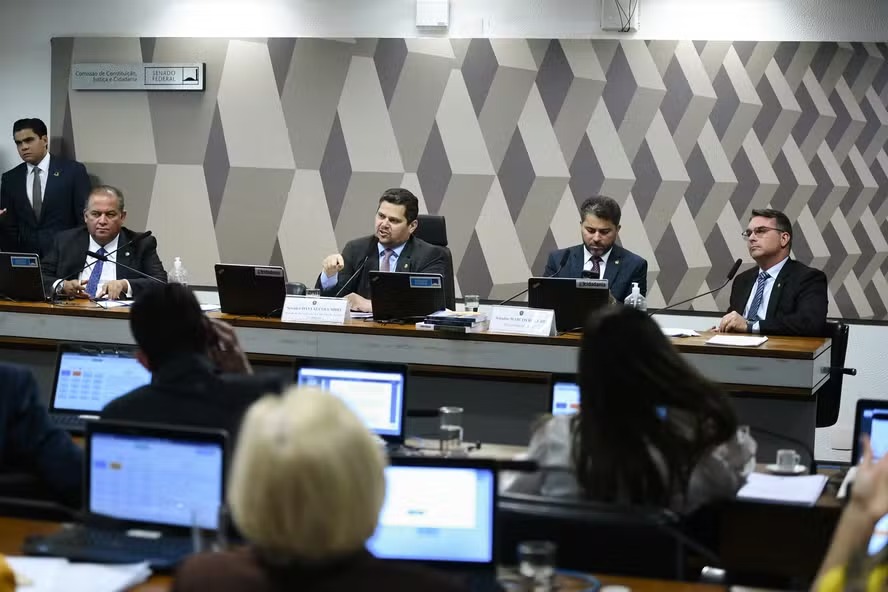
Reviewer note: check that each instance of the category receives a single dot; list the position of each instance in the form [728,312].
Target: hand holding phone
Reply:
[225,349]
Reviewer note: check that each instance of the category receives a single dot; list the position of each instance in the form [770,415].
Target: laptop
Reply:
[571,299]
[401,296]
[441,512]
[144,487]
[375,391]
[21,277]
[564,396]
[258,290]
[88,377]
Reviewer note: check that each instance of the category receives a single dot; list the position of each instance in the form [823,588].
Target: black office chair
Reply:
[596,537]
[829,397]
[22,495]
[433,230]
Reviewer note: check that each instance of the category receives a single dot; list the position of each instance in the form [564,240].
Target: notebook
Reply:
[88,377]
[144,488]
[375,391]
[440,512]
[21,277]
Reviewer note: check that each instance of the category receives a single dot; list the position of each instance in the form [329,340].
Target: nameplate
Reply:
[315,309]
[143,76]
[522,321]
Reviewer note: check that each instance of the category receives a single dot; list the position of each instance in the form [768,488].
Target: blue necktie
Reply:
[93,284]
[757,299]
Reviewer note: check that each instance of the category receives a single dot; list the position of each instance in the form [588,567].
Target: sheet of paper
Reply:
[210,307]
[57,575]
[741,340]
[801,491]
[41,572]
[360,315]
[677,332]
[113,303]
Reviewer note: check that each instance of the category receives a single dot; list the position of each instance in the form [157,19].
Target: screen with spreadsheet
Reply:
[376,397]
[566,399]
[158,480]
[86,382]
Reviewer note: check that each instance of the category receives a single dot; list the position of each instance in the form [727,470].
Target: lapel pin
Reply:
[617,262]
[405,266]
[126,254]
[55,174]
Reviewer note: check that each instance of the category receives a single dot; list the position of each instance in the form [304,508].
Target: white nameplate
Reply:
[315,309]
[523,321]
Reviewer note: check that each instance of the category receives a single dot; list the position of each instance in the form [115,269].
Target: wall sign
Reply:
[146,76]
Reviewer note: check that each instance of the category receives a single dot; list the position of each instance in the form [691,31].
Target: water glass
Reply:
[451,430]
[536,565]
[471,302]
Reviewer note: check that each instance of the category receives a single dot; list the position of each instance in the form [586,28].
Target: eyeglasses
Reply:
[759,231]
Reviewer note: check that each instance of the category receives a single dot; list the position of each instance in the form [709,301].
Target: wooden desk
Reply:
[13,532]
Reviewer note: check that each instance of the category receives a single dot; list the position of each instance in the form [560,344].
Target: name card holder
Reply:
[315,309]
[522,321]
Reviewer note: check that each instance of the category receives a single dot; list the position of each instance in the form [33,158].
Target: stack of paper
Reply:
[797,491]
[39,574]
[742,340]
[678,332]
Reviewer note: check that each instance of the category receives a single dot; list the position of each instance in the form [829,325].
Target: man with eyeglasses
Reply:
[64,268]
[780,296]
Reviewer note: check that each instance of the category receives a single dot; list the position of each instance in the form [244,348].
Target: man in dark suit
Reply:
[391,248]
[200,376]
[29,442]
[780,296]
[599,257]
[42,196]
[104,233]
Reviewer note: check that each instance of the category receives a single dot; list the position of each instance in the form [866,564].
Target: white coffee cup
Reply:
[787,459]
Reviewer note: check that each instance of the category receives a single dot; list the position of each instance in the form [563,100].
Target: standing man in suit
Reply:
[42,196]
[599,257]
[391,248]
[780,296]
[104,215]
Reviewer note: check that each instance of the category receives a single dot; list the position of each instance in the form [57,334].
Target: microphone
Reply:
[731,275]
[353,276]
[123,265]
[561,265]
[139,237]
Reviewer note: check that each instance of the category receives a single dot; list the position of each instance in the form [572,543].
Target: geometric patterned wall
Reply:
[283,158]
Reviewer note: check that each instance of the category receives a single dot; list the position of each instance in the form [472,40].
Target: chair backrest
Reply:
[433,230]
[829,397]
[595,537]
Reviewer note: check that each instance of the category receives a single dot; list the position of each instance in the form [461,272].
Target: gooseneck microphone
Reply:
[353,276]
[106,259]
[561,265]
[731,275]
[139,237]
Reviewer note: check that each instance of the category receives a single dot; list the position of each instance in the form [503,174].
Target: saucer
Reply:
[774,469]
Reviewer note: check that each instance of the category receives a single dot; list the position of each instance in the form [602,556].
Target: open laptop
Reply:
[21,277]
[402,296]
[564,396]
[571,299]
[376,391]
[440,512]
[88,377]
[145,486]
[251,289]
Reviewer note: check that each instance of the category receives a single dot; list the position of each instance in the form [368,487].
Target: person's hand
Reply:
[225,349]
[732,323]
[332,264]
[113,289]
[74,288]
[869,495]
[3,211]
[359,303]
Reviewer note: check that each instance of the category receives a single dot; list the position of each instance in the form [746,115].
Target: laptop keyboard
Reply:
[81,543]
[71,423]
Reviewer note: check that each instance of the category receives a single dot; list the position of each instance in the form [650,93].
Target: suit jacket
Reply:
[418,256]
[30,442]
[623,268]
[68,256]
[244,571]
[188,390]
[67,189]
[798,301]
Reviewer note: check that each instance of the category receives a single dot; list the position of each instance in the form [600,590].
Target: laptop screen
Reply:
[377,397]
[437,514]
[566,398]
[86,382]
[159,480]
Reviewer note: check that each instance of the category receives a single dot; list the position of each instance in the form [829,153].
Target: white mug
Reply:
[787,459]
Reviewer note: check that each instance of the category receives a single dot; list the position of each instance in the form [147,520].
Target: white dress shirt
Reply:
[109,269]
[329,282]
[43,165]
[587,266]
[773,272]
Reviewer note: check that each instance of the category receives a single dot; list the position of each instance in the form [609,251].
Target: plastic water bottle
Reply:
[178,274]
[635,299]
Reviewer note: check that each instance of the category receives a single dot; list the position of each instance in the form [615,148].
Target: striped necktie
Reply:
[759,296]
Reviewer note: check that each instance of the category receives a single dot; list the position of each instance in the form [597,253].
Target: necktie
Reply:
[37,193]
[93,284]
[595,271]
[757,299]
[386,260]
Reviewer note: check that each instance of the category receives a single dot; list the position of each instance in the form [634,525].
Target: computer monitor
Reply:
[401,296]
[571,299]
[21,277]
[89,376]
[564,396]
[258,290]
[376,391]
[440,511]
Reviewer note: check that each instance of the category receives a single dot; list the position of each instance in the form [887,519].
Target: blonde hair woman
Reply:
[306,487]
